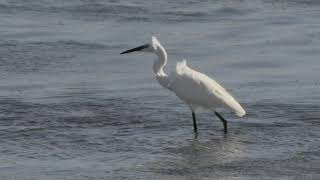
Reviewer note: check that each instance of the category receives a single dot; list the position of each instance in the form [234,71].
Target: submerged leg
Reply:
[194,123]
[224,121]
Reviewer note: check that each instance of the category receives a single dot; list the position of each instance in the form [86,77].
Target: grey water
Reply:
[72,108]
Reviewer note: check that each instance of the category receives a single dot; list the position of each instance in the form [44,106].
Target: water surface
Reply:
[72,108]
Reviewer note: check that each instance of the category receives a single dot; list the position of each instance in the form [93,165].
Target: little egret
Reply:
[196,89]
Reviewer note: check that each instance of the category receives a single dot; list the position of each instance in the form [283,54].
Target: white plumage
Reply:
[196,89]
[201,92]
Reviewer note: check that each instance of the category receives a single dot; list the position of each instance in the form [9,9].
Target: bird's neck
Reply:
[160,62]
[158,66]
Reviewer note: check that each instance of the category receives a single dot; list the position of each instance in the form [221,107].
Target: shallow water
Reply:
[73,108]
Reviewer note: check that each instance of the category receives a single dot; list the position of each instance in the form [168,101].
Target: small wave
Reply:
[83,10]
[73,44]
[277,112]
[59,43]
[231,11]
[186,14]
[25,57]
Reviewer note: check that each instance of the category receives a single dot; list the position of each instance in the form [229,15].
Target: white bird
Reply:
[194,88]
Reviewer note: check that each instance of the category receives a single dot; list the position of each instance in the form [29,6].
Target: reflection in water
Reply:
[202,157]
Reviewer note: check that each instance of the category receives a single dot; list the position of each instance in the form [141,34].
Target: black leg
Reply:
[194,123]
[224,121]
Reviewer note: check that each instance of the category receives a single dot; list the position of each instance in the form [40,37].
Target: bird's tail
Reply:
[241,112]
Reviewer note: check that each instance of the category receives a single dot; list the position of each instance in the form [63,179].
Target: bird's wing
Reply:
[199,88]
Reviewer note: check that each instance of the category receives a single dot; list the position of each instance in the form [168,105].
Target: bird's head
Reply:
[152,47]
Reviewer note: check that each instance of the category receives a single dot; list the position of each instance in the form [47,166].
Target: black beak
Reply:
[136,49]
